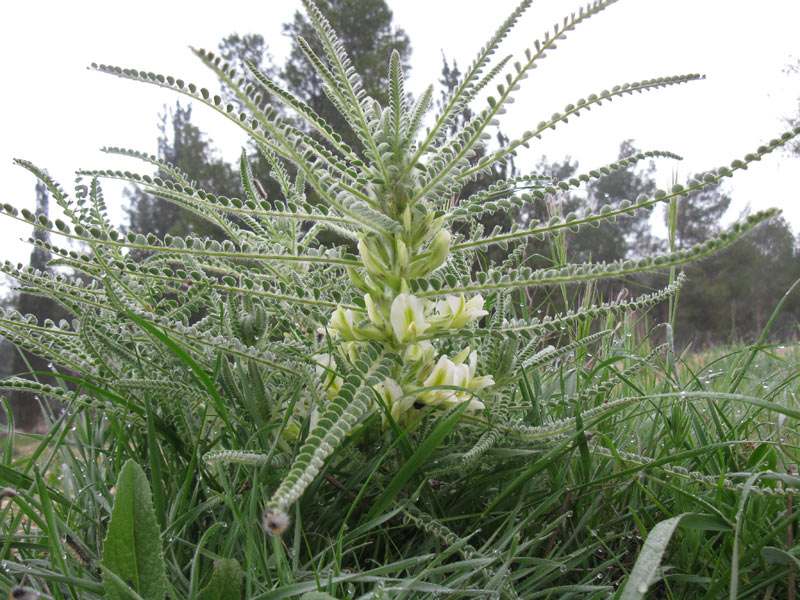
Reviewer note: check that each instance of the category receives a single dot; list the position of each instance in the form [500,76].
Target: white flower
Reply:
[442,374]
[420,352]
[326,364]
[394,398]
[407,317]
[342,324]
[477,383]
[454,312]
[461,375]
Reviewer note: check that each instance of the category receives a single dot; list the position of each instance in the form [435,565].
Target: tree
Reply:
[731,295]
[26,411]
[699,216]
[193,153]
[628,236]
[365,30]
[236,49]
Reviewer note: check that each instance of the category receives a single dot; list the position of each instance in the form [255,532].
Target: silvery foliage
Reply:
[270,340]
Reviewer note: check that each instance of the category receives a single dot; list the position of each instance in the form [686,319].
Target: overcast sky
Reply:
[58,114]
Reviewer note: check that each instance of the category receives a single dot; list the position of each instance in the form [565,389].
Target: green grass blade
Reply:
[646,567]
[412,465]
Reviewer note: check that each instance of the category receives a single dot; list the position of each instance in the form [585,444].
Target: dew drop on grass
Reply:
[641,588]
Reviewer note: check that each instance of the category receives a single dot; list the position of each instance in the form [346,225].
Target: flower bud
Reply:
[372,263]
[424,228]
[461,356]
[401,251]
[438,251]
[374,314]
[356,279]
[407,218]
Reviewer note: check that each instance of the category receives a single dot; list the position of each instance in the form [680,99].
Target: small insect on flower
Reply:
[275,521]
[22,593]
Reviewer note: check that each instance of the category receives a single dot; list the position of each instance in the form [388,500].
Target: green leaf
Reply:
[317,596]
[646,567]
[132,548]
[763,454]
[226,581]
[705,522]
[776,556]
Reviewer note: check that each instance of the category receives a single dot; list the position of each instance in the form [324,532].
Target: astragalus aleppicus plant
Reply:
[272,348]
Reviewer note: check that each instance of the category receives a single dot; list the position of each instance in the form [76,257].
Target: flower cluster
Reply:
[408,323]
[408,318]
[449,382]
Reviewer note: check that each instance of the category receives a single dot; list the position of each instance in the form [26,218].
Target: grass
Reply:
[568,519]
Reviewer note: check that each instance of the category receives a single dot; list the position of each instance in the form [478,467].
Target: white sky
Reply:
[58,114]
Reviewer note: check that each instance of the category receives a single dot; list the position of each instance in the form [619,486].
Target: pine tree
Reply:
[449,80]
[366,31]
[699,216]
[236,49]
[730,296]
[629,236]
[24,407]
[192,152]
